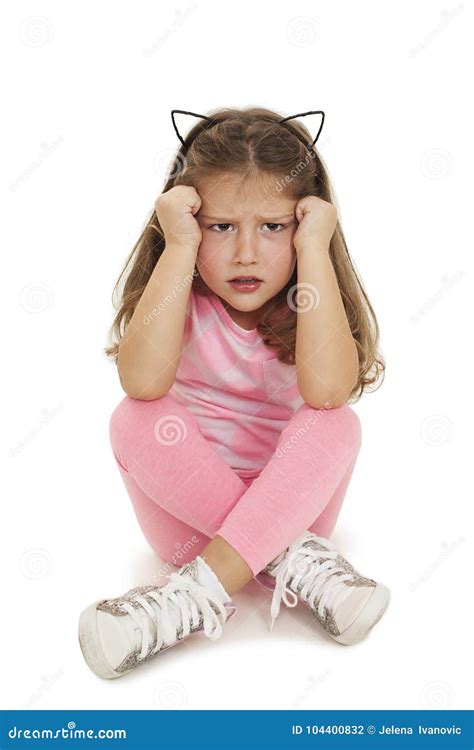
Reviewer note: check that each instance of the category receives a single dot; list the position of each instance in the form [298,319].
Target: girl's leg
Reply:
[326,521]
[164,457]
[181,489]
[173,475]
[314,458]
[174,541]
[177,543]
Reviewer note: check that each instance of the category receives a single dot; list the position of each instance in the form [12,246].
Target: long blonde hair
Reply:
[248,142]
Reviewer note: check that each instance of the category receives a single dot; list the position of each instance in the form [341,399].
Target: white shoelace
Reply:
[305,565]
[191,598]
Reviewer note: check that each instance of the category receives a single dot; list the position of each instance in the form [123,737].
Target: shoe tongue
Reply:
[189,569]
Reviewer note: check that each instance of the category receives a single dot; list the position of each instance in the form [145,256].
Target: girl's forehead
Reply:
[232,195]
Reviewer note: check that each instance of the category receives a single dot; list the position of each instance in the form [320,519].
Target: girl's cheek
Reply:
[219,239]
[287,248]
[206,249]
[209,260]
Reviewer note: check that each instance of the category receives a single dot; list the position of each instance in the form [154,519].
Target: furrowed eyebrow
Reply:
[261,218]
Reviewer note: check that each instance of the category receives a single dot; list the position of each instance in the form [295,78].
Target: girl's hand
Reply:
[175,210]
[317,221]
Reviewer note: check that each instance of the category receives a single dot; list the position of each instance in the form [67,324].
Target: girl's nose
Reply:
[246,249]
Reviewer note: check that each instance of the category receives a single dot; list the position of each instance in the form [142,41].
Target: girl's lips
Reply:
[245,286]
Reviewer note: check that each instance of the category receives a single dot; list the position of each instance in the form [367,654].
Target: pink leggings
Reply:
[183,492]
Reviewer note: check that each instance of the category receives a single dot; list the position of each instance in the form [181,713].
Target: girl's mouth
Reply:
[245,284]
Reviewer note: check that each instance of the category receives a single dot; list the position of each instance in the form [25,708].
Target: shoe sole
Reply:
[366,619]
[89,642]
[91,648]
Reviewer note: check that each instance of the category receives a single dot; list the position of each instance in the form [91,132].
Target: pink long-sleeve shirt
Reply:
[241,395]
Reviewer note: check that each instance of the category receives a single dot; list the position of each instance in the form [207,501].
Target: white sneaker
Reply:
[311,570]
[118,634]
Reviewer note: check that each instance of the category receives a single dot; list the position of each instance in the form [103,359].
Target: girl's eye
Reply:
[271,224]
[268,224]
[220,225]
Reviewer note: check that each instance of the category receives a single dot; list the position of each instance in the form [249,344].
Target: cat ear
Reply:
[305,114]
[210,121]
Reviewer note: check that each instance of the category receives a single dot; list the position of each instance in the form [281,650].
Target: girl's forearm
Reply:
[150,350]
[326,355]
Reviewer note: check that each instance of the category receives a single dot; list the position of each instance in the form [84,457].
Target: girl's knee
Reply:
[344,417]
[130,410]
[351,421]
[162,417]
[117,421]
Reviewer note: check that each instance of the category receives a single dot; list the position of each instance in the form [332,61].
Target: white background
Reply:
[86,143]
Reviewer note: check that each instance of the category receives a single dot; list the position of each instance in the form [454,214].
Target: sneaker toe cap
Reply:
[105,640]
[359,613]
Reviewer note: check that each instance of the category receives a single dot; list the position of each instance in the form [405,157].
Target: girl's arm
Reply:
[150,350]
[327,359]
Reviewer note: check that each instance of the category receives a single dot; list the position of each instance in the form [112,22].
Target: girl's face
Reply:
[247,230]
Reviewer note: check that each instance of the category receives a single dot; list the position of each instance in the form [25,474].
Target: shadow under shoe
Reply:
[116,635]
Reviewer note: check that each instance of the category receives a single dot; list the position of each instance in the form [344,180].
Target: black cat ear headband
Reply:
[209,122]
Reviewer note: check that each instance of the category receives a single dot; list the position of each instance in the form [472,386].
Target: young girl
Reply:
[242,333]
